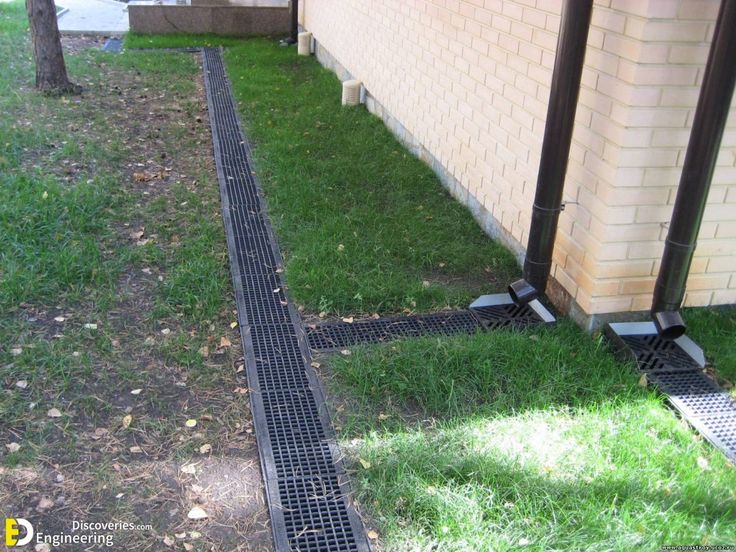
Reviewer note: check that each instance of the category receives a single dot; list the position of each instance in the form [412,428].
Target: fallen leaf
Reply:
[348,320]
[383,416]
[189,468]
[42,547]
[195,534]
[54,413]
[180,535]
[136,450]
[188,546]
[316,364]
[643,380]
[168,541]
[99,433]
[204,351]
[233,325]
[346,352]
[21,384]
[127,420]
[190,423]
[136,391]
[45,503]
[225,342]
[166,331]
[426,283]
[197,513]
[13,447]
[204,449]
[240,390]
[365,463]
[372,535]
[16,351]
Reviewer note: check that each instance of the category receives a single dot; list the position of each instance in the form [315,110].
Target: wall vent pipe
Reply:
[304,44]
[711,113]
[558,129]
[351,92]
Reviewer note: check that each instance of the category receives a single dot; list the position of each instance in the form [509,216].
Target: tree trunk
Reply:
[51,76]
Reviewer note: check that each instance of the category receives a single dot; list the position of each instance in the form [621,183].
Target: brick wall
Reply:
[467,83]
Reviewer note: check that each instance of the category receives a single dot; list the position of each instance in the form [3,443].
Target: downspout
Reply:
[711,113]
[558,129]
[294,29]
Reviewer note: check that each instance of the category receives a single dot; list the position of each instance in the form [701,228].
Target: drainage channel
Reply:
[676,369]
[306,484]
[484,314]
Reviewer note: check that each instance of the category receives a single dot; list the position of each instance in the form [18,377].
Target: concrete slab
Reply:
[95,17]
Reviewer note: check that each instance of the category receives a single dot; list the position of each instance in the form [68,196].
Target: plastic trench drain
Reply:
[676,369]
[306,485]
[488,312]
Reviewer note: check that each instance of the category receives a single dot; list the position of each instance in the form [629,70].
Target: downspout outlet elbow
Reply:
[669,324]
[522,292]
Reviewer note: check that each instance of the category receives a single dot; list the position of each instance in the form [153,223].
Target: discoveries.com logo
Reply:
[13,532]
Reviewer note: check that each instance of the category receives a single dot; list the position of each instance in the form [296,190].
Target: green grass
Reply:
[178,40]
[363,224]
[534,441]
[65,245]
[714,329]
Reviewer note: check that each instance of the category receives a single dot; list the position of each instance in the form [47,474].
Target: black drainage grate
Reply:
[507,315]
[694,393]
[676,369]
[654,354]
[338,335]
[489,312]
[306,486]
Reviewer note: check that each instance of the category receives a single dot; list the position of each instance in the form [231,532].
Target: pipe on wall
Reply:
[711,114]
[558,129]
[294,29]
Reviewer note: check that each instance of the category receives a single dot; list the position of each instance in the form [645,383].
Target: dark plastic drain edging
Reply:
[306,485]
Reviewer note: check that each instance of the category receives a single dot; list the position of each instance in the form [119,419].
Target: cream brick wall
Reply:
[469,81]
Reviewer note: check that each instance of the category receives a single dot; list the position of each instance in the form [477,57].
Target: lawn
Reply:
[116,306]
[536,440]
[714,329]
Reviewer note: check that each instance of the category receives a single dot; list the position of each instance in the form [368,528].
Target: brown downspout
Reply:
[294,29]
[558,129]
[711,113]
